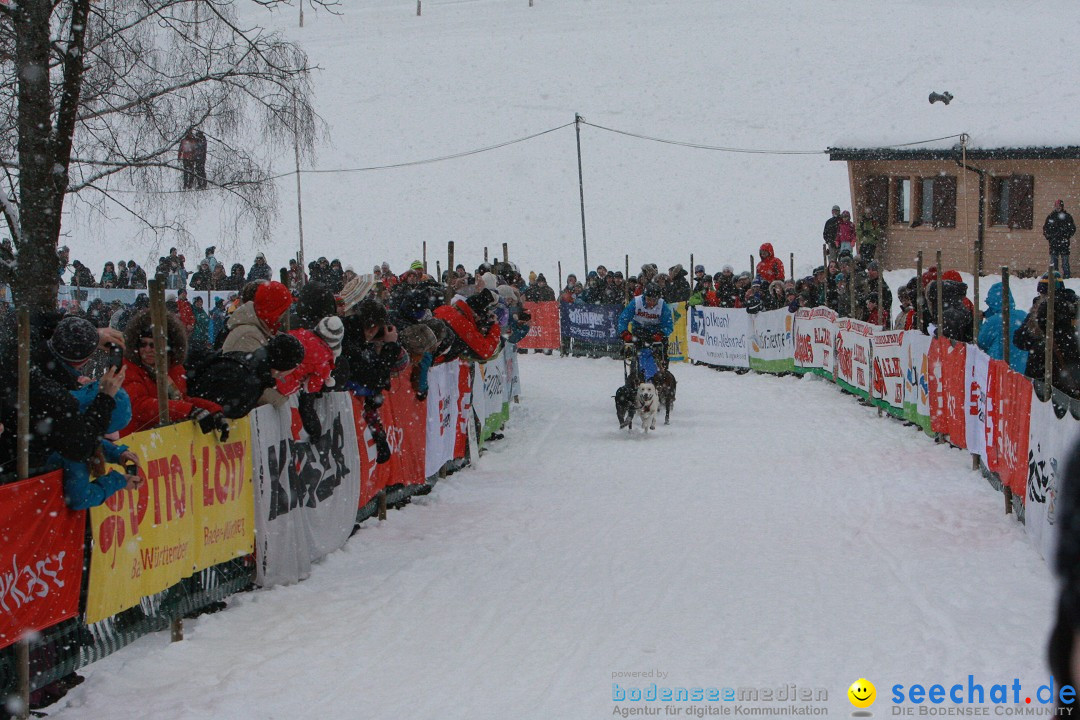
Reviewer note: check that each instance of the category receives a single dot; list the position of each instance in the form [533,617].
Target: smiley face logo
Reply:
[862,693]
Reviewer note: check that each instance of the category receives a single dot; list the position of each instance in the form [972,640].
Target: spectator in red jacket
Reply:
[141,384]
[770,268]
[478,334]
[185,311]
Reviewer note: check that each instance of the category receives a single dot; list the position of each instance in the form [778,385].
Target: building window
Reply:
[937,202]
[902,201]
[1012,201]
[876,199]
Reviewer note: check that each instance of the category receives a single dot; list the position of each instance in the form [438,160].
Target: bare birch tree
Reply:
[96,95]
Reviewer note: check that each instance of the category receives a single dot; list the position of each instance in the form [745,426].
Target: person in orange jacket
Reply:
[770,268]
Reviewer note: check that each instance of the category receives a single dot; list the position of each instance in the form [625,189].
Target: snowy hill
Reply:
[765,75]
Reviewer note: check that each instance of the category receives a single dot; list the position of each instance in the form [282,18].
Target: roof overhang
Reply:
[1070,152]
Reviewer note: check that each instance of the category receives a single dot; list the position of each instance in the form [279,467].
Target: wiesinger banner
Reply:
[890,362]
[306,492]
[853,343]
[719,336]
[590,323]
[442,409]
[815,337]
[772,341]
[1008,413]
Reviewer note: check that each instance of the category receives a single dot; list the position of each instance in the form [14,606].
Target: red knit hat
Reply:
[953,275]
[272,300]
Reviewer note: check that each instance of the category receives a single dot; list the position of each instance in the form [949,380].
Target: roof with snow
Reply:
[1064,152]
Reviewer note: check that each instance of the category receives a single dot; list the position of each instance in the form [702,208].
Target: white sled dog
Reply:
[648,405]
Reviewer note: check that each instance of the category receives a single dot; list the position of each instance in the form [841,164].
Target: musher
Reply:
[647,321]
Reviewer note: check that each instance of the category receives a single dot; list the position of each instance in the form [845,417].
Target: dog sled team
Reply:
[648,385]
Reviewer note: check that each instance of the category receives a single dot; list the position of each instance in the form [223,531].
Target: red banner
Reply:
[405,420]
[544,326]
[41,556]
[1008,417]
[947,391]
[370,481]
[465,412]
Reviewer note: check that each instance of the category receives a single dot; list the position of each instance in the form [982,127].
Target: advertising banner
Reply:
[405,420]
[144,540]
[772,341]
[442,408]
[513,372]
[543,327]
[815,338]
[306,492]
[677,339]
[853,342]
[590,323]
[464,410]
[947,368]
[1052,434]
[719,336]
[41,556]
[370,480]
[490,396]
[890,359]
[1008,415]
[916,355]
[976,378]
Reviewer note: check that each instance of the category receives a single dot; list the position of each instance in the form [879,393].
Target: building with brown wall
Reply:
[924,200]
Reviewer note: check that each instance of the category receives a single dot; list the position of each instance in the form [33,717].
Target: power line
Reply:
[700,146]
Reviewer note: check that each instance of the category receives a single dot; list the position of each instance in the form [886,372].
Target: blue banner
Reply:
[590,323]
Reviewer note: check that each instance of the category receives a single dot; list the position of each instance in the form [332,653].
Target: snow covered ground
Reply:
[776,532]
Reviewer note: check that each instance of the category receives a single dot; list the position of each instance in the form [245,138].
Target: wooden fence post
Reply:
[22,645]
[1006,324]
[1048,331]
[940,300]
[919,297]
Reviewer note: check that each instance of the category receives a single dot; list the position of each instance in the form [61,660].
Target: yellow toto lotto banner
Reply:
[194,509]
[677,339]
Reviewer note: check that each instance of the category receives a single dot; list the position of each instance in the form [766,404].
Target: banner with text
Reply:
[772,341]
[590,323]
[306,492]
[442,408]
[405,420]
[678,337]
[947,365]
[916,355]
[853,342]
[490,394]
[41,556]
[1053,432]
[543,327]
[890,359]
[976,380]
[815,338]
[1008,416]
[143,539]
[719,336]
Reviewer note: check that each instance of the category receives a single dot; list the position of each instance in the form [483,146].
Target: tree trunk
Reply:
[35,283]
[44,155]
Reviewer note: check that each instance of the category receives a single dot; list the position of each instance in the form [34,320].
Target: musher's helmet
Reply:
[652,290]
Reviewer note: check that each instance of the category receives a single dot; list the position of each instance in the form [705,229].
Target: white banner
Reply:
[719,336]
[890,360]
[490,389]
[1050,440]
[772,341]
[513,372]
[306,494]
[853,341]
[976,378]
[916,378]
[442,410]
[815,330]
